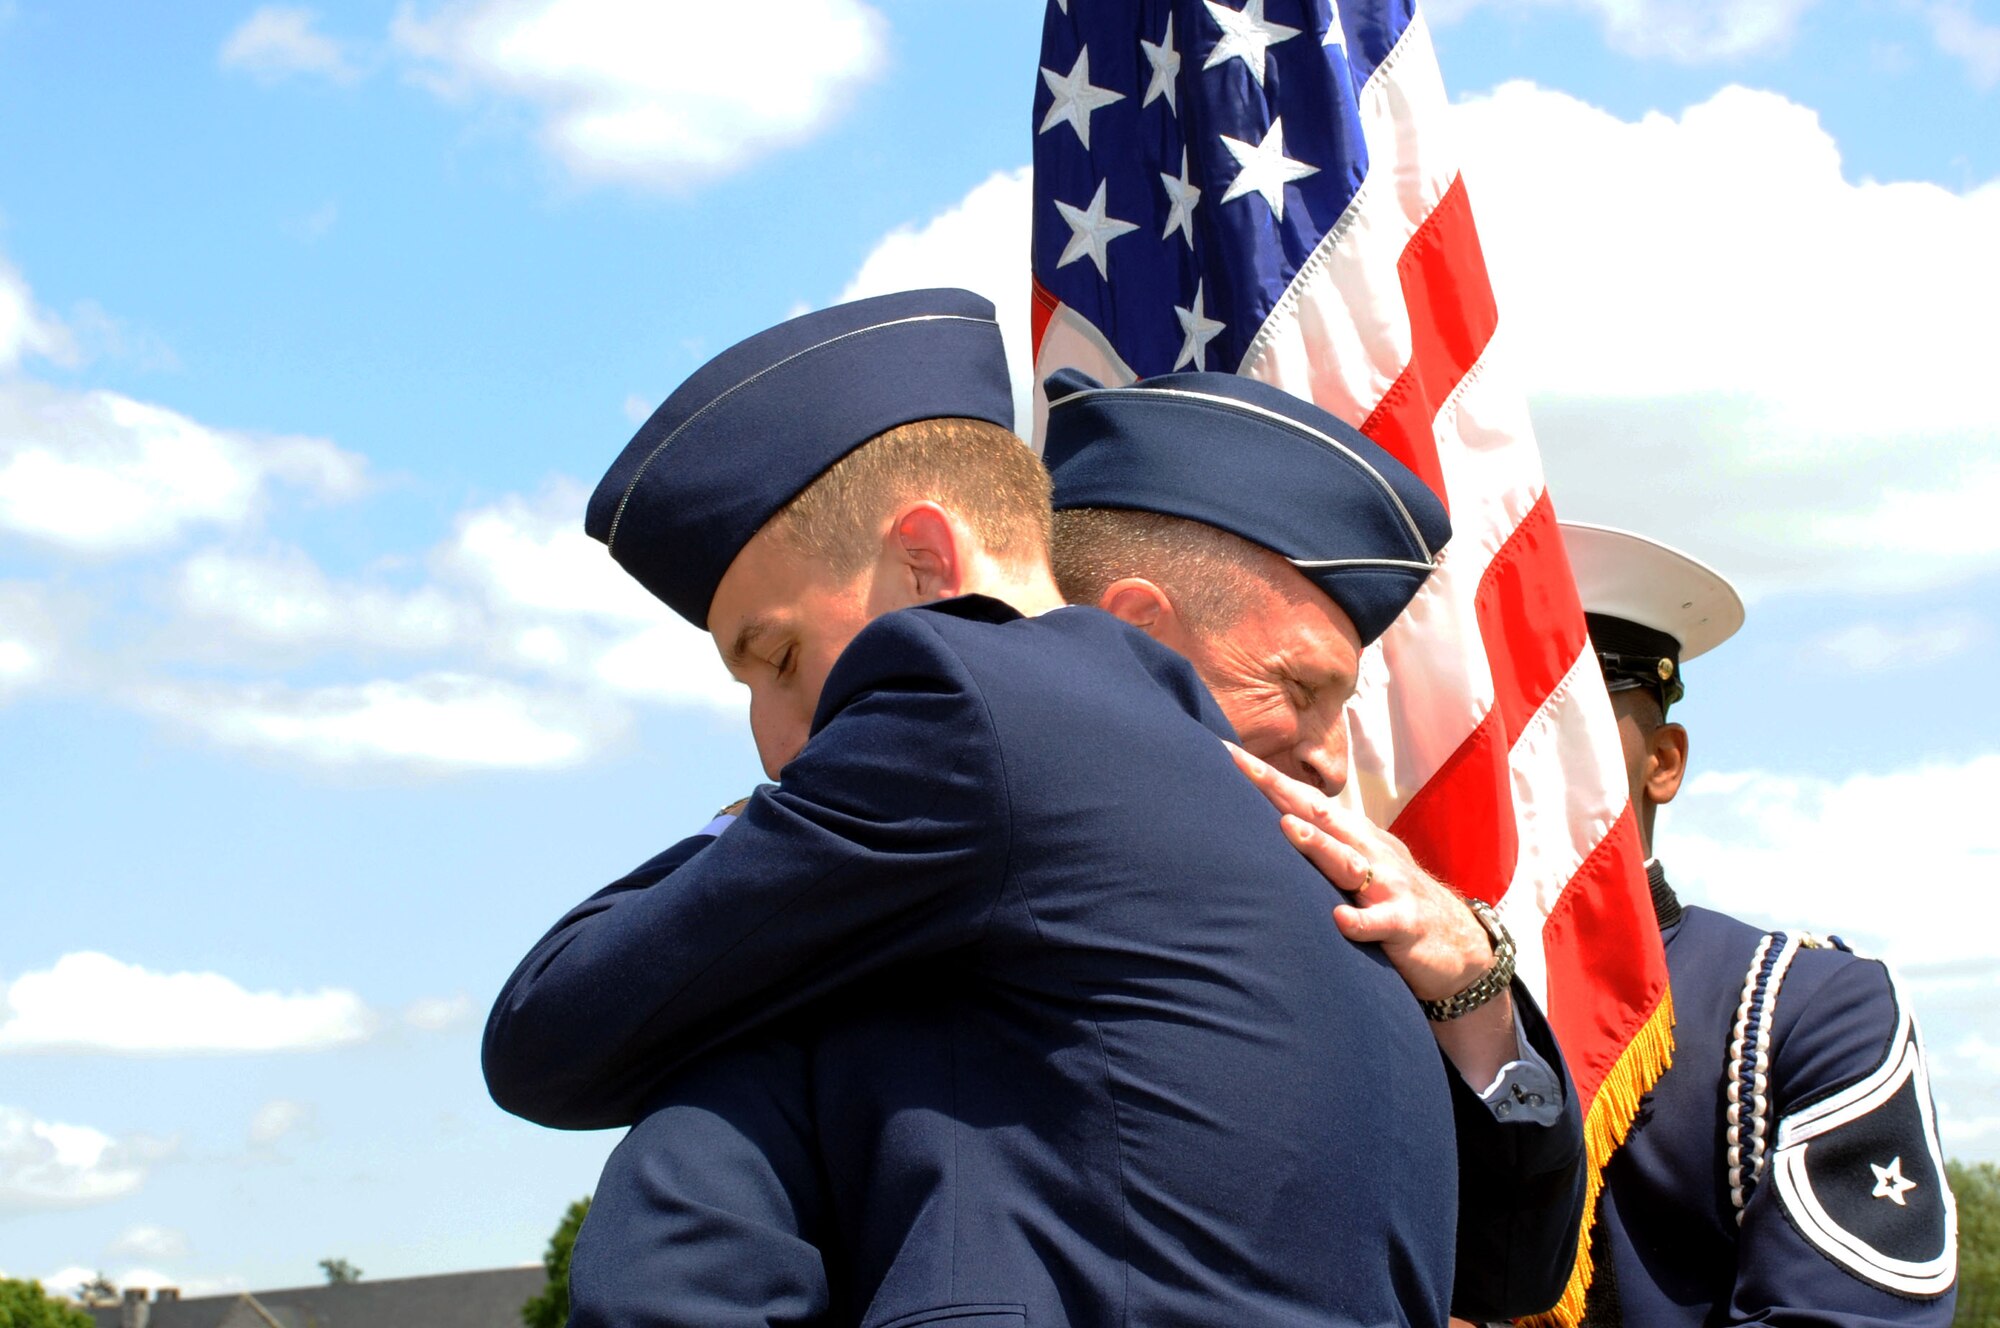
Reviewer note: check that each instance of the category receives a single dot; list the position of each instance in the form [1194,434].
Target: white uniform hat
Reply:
[1649,606]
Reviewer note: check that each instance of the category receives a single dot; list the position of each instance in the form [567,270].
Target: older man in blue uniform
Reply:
[1786,1169]
[1214,513]
[1083,1041]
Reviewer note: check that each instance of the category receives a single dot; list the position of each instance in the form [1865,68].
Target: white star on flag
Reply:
[1197,330]
[1889,1183]
[1166,63]
[1334,36]
[1075,98]
[1090,231]
[1245,36]
[1266,168]
[1181,198]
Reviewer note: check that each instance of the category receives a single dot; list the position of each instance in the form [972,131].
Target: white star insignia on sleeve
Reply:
[1889,1183]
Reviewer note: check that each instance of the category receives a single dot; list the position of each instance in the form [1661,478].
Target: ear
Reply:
[1666,763]
[925,545]
[1144,605]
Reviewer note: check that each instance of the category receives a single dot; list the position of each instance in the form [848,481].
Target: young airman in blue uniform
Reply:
[1083,1042]
[1786,1168]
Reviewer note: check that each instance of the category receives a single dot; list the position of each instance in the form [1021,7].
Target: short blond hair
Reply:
[975,468]
[1206,572]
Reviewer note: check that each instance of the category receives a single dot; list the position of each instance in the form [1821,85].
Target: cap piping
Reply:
[611,535]
[1316,564]
[1324,439]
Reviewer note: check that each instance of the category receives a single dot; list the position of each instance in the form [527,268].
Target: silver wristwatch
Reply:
[1488,984]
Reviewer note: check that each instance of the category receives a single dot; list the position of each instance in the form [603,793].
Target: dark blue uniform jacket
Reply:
[1850,1222]
[1098,1054]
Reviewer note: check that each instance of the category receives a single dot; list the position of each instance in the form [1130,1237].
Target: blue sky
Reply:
[316,708]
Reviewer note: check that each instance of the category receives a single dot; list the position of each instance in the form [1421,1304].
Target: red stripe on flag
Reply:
[1460,824]
[1041,308]
[1530,619]
[1606,969]
[1452,317]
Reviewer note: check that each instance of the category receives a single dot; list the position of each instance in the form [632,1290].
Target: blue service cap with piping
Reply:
[1254,460]
[758,423]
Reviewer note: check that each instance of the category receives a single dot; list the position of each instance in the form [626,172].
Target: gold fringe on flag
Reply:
[1645,1058]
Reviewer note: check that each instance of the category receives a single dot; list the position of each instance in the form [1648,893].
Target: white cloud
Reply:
[663,94]
[434,1014]
[1728,344]
[29,638]
[44,1164]
[432,723]
[316,225]
[283,598]
[1980,1053]
[1901,863]
[97,472]
[1875,647]
[96,333]
[89,1002]
[278,1118]
[26,328]
[1960,34]
[560,604]
[535,555]
[1689,31]
[979,243]
[539,636]
[65,1281]
[279,41]
[148,1242]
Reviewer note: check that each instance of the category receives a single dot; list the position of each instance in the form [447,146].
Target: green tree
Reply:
[1977,1187]
[26,1305]
[339,1271]
[99,1290]
[550,1309]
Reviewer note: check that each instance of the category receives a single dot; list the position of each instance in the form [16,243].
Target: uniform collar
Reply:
[1666,904]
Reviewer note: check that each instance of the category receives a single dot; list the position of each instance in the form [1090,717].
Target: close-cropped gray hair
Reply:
[1206,572]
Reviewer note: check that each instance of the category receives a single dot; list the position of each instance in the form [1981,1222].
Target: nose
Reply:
[1322,754]
[778,734]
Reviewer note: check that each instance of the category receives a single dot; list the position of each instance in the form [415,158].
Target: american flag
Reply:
[1269,187]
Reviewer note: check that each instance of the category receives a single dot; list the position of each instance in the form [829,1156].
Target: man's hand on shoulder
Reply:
[1425,930]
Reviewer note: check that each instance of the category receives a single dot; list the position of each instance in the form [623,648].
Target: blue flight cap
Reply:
[757,424]
[1258,462]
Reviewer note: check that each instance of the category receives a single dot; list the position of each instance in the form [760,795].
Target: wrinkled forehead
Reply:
[1289,621]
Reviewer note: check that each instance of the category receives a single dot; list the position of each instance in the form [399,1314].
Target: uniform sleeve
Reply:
[710,1213]
[1520,1192]
[1851,1222]
[884,841]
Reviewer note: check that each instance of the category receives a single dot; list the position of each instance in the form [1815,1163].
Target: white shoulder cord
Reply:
[1750,1065]
[1750,1057]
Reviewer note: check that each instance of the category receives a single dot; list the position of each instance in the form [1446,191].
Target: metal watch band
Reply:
[1488,984]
